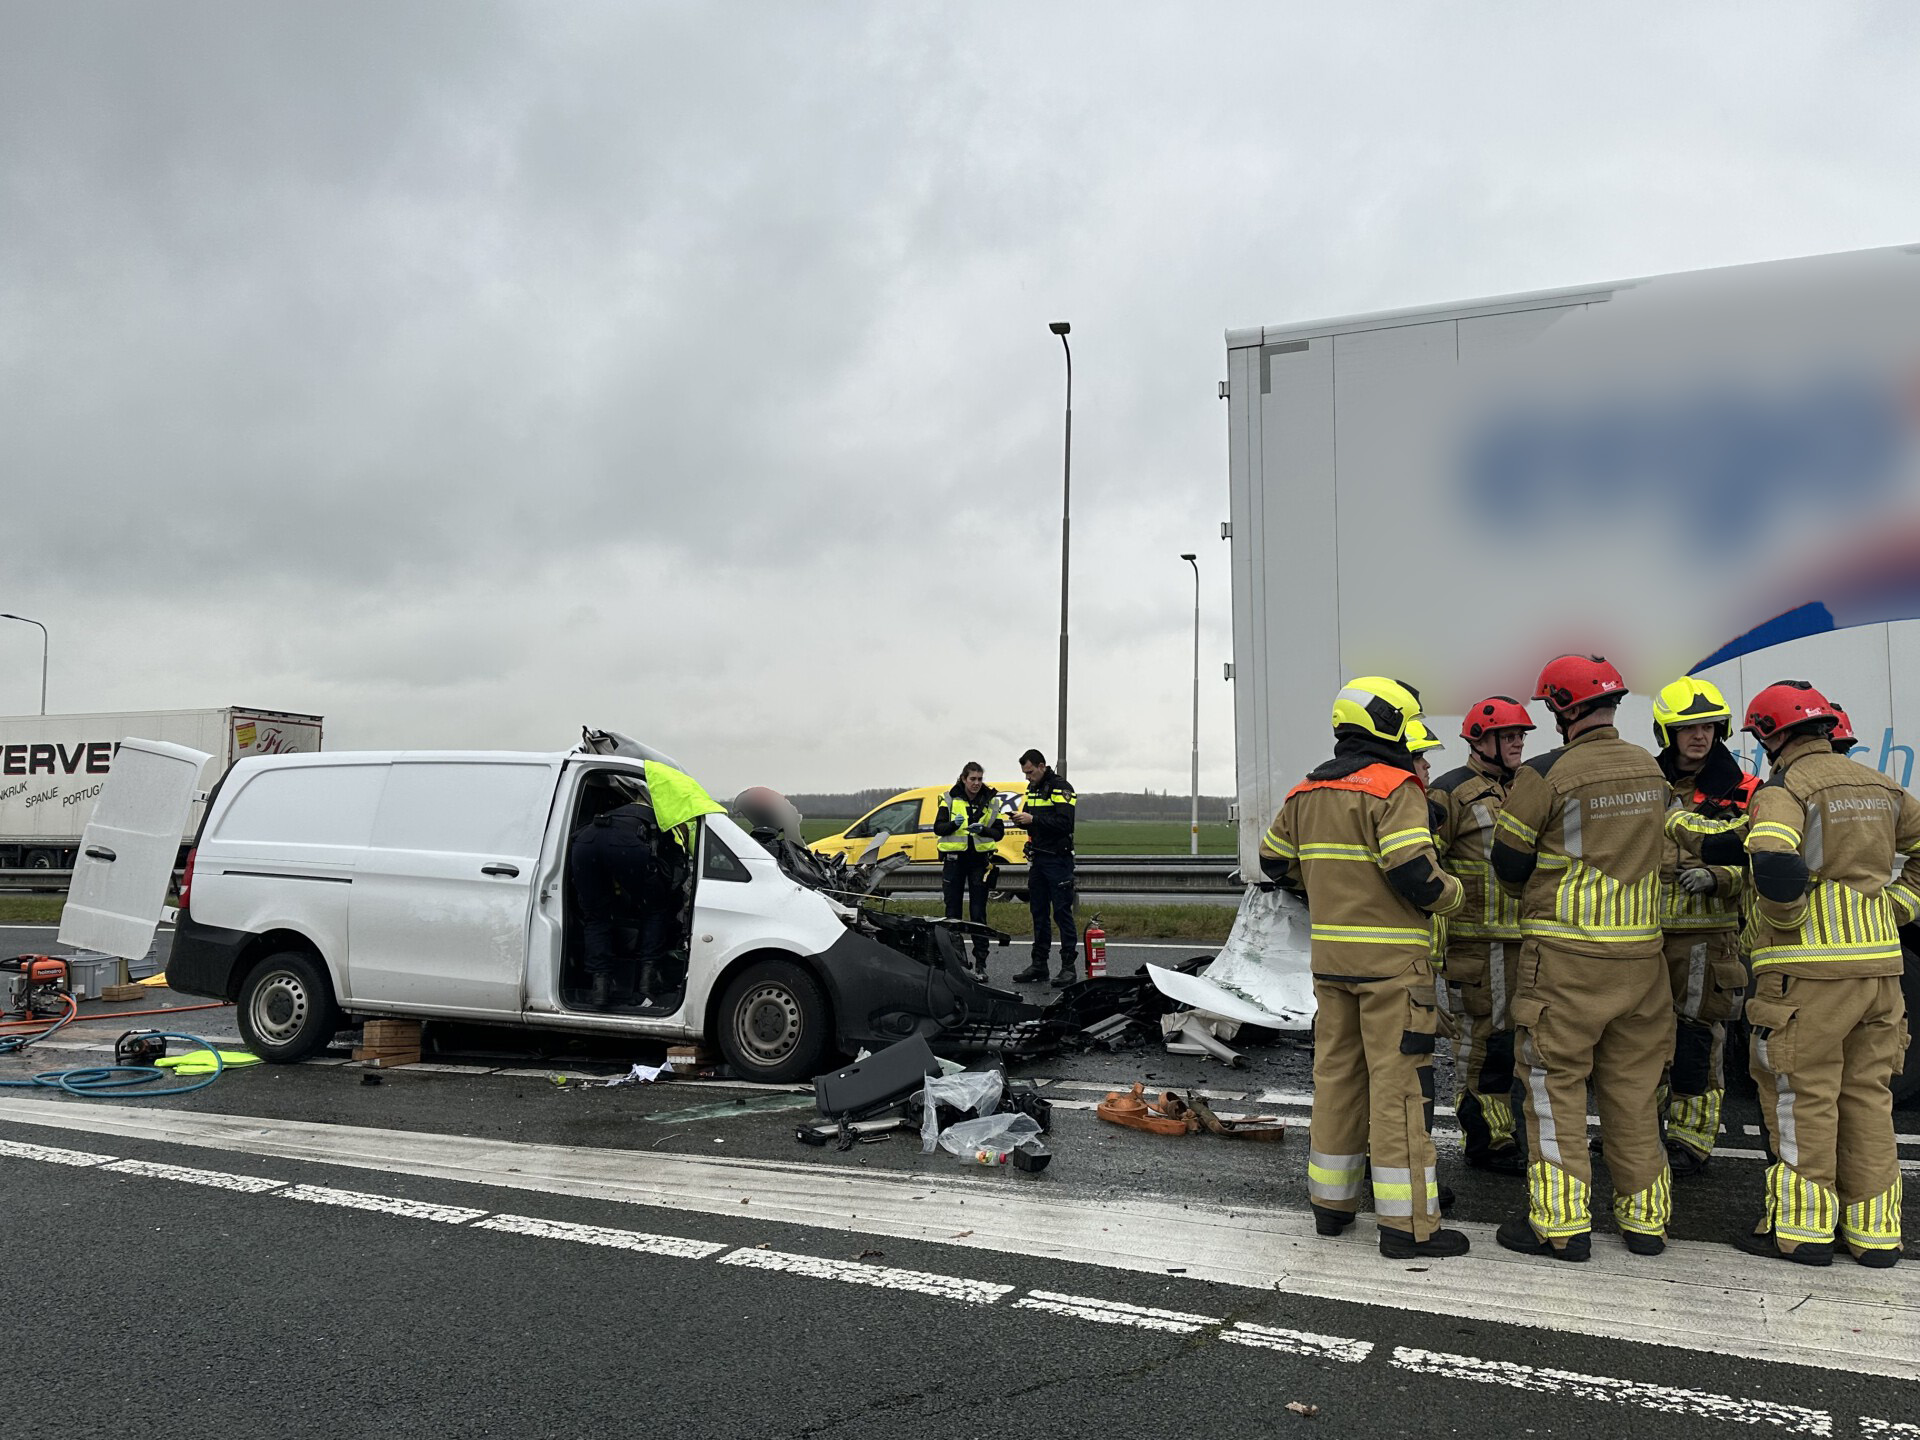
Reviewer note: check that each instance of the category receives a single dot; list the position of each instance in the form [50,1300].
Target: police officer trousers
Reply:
[1050,893]
[1479,989]
[965,873]
[1580,1018]
[1823,1052]
[1373,1097]
[1708,980]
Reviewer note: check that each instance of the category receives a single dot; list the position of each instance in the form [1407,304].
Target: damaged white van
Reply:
[437,885]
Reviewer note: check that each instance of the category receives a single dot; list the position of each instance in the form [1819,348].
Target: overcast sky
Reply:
[468,373]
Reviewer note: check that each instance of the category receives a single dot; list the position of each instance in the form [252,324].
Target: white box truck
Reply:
[1714,473]
[52,767]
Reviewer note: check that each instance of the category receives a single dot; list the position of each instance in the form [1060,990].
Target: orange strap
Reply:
[1380,780]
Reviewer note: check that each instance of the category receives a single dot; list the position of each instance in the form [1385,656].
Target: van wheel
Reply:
[286,1010]
[773,1023]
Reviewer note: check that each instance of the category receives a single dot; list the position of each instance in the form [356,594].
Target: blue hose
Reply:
[132,1082]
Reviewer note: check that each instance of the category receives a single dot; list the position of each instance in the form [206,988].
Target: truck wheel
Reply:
[774,1023]
[286,1010]
[39,860]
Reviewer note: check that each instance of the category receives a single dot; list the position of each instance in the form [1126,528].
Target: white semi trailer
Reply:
[1713,473]
[52,767]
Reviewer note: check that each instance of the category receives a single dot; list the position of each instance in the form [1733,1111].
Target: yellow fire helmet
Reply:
[1688,701]
[1377,705]
[1419,737]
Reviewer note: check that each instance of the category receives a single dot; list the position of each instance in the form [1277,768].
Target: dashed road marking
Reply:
[886,1277]
[1671,1400]
[53,1155]
[216,1179]
[529,1225]
[1298,1342]
[382,1204]
[1113,1312]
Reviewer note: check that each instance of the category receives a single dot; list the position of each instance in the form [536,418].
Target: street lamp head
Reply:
[1187,555]
[1059,327]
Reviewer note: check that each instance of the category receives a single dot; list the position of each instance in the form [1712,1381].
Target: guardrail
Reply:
[1102,874]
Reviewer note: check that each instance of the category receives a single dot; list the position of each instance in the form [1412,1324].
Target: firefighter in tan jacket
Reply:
[1483,939]
[1702,881]
[1580,842]
[1353,840]
[1835,851]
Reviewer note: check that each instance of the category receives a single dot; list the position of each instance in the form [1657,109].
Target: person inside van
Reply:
[627,901]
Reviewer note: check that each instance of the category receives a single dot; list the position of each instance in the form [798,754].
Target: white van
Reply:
[435,885]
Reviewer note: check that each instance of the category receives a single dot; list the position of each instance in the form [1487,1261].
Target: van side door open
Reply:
[440,912]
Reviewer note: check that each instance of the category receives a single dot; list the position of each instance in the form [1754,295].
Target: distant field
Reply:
[1106,837]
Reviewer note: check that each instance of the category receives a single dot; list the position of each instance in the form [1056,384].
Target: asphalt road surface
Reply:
[470,1247]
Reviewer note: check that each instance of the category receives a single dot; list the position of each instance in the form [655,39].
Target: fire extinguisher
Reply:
[1095,944]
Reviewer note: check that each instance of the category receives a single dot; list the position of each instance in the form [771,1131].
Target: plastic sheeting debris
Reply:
[977,1091]
[1263,974]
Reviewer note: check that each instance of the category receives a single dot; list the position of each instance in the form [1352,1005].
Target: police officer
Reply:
[968,828]
[1701,880]
[626,900]
[1835,854]
[1579,842]
[1046,814]
[1353,840]
[1483,938]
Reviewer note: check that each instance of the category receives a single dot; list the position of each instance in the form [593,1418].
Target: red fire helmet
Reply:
[1570,680]
[1784,704]
[1496,712]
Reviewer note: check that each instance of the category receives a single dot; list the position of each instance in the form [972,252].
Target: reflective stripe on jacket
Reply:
[957,812]
[1580,842]
[1833,847]
[1360,849]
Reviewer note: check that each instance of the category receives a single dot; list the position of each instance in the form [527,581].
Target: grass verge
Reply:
[1202,924]
[31,909]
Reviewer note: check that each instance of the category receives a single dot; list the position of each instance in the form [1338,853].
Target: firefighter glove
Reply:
[1697,881]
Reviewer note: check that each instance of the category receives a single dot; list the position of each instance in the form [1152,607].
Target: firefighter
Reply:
[1483,940]
[968,829]
[1046,814]
[1828,1023]
[1702,877]
[1842,737]
[1353,840]
[1579,842]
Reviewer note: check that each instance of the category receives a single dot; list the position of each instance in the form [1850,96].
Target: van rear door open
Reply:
[439,914]
[127,851]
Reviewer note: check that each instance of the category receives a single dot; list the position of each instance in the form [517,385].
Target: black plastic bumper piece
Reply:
[205,960]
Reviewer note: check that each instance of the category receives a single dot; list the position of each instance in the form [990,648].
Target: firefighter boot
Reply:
[1069,973]
[1399,1245]
[1519,1236]
[1328,1221]
[1034,974]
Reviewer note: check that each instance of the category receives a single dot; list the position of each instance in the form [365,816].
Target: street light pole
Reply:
[1060,328]
[43,655]
[1193,823]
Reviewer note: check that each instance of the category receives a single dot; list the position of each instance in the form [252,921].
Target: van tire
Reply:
[286,1009]
[774,1025]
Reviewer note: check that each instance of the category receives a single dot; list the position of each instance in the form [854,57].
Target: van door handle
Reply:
[510,871]
[100,852]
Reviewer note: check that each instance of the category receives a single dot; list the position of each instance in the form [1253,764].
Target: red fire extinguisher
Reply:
[1095,944]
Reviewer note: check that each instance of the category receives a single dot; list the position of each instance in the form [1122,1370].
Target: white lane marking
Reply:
[382,1204]
[944,1287]
[1699,1296]
[674,1245]
[217,1179]
[1894,1429]
[1115,1312]
[1795,1419]
[21,1150]
[1298,1342]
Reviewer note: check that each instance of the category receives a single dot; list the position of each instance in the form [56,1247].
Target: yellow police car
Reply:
[907,820]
